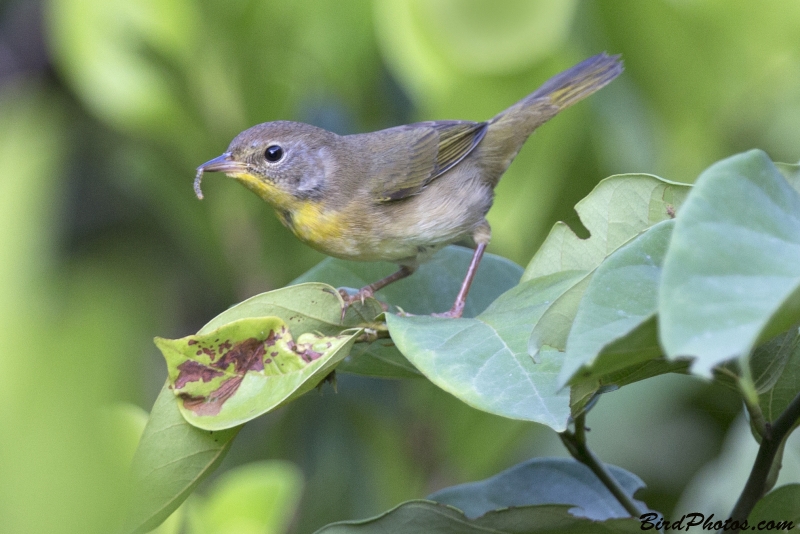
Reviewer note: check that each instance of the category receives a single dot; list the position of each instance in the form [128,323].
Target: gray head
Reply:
[276,158]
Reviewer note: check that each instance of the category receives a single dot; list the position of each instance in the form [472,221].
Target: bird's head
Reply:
[282,161]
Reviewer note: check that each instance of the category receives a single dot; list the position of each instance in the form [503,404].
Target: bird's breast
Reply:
[347,233]
[326,230]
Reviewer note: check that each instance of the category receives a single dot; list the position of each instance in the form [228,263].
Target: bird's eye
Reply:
[273,153]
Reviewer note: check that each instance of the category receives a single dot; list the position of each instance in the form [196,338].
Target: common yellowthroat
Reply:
[398,194]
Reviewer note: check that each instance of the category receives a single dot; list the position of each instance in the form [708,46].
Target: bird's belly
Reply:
[337,236]
[343,234]
[408,231]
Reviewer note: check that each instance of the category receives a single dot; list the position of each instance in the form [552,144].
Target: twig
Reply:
[756,416]
[576,445]
[756,484]
[751,401]
[373,334]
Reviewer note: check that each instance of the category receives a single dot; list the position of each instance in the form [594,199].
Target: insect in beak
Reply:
[224,163]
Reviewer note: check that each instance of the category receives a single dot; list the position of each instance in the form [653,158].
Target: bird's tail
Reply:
[510,128]
[578,82]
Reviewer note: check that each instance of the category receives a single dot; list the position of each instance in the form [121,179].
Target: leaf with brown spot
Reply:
[246,368]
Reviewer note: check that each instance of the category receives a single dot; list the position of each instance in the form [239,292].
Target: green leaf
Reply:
[614,326]
[543,481]
[413,517]
[173,457]
[791,172]
[779,505]
[433,288]
[776,373]
[304,308]
[253,498]
[643,370]
[484,361]
[732,273]
[769,359]
[616,211]
[584,391]
[380,359]
[246,368]
[317,307]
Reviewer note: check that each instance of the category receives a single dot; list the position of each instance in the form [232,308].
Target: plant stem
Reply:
[750,397]
[576,445]
[372,334]
[756,416]
[756,484]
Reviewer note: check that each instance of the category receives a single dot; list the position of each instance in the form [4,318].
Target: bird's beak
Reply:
[224,163]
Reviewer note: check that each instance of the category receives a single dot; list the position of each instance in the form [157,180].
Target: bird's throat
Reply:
[268,191]
[309,220]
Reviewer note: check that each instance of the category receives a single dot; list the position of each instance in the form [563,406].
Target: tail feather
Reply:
[508,131]
[580,81]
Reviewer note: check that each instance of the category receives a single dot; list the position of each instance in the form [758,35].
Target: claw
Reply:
[454,312]
[360,295]
[450,314]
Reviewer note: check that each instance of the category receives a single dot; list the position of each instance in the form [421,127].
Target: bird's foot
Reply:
[454,312]
[448,314]
[359,296]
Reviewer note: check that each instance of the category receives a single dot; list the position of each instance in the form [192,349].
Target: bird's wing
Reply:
[419,153]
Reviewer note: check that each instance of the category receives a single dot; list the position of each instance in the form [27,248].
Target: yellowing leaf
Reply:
[246,368]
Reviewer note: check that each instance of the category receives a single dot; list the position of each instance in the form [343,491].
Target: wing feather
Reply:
[419,153]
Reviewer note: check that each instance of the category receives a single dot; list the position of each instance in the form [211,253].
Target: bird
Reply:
[402,193]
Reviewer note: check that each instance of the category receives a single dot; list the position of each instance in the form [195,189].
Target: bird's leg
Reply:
[458,305]
[369,291]
[482,236]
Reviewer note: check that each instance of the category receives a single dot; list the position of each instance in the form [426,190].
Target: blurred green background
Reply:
[107,107]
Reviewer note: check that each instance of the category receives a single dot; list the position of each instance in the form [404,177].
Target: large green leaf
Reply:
[305,308]
[432,288]
[484,361]
[259,497]
[246,368]
[316,307]
[379,359]
[173,457]
[790,171]
[584,391]
[413,517]
[732,273]
[543,481]
[780,505]
[622,297]
[129,422]
[776,373]
[616,211]
[769,359]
